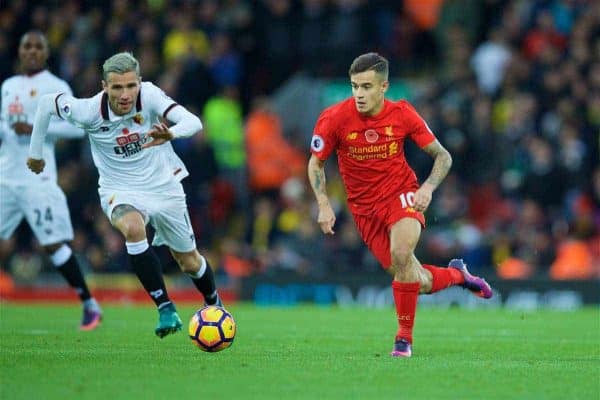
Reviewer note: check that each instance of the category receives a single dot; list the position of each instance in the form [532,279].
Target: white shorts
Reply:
[43,205]
[166,212]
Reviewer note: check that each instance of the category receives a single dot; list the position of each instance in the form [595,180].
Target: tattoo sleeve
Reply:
[442,161]
[316,176]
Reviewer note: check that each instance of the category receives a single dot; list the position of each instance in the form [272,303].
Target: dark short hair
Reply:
[370,62]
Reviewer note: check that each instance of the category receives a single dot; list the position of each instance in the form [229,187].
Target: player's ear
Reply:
[104,85]
[384,86]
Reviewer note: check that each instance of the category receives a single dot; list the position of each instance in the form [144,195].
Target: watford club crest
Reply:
[32,92]
[138,119]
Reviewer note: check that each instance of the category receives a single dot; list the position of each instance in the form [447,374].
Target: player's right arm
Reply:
[79,112]
[316,176]
[44,112]
[323,142]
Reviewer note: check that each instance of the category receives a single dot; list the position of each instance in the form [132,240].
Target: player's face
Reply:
[368,89]
[33,53]
[122,91]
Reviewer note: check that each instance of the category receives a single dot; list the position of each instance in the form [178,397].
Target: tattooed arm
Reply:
[442,161]
[316,176]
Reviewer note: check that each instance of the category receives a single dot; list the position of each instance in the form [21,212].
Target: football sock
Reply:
[443,278]
[405,298]
[66,263]
[204,280]
[146,265]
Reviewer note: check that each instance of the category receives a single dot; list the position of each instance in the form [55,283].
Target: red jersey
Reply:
[370,150]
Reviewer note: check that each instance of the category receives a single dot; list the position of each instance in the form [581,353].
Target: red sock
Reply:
[405,297]
[443,278]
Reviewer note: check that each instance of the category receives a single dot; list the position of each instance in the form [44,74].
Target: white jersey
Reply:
[116,141]
[20,96]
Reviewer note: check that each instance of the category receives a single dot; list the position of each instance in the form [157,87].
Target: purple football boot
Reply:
[475,284]
[91,319]
[401,349]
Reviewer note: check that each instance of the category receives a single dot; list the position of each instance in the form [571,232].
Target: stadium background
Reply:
[510,87]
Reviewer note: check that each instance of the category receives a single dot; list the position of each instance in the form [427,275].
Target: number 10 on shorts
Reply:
[407,199]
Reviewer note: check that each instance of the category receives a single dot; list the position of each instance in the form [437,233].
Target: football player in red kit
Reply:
[387,203]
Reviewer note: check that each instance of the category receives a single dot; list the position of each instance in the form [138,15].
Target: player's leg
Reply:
[174,229]
[404,236]
[66,264]
[198,268]
[47,214]
[146,265]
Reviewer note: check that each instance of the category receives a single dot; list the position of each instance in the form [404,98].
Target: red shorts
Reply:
[375,229]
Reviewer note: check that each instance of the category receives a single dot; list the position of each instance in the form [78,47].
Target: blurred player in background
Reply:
[38,198]
[368,132]
[139,173]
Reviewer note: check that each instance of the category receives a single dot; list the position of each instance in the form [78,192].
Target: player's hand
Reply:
[326,218]
[160,134]
[22,128]
[423,198]
[36,166]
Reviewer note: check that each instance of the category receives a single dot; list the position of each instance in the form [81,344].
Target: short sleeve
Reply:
[418,129]
[324,138]
[157,100]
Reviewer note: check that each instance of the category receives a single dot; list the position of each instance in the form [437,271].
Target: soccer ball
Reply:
[212,329]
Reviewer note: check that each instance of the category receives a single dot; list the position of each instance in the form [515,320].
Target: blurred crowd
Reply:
[510,87]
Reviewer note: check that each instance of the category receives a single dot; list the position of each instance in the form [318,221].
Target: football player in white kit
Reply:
[139,173]
[38,198]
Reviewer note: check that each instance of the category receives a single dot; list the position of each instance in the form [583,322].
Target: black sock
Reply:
[206,285]
[146,266]
[72,274]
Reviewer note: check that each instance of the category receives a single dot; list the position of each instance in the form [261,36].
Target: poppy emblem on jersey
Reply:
[371,135]
[317,143]
[125,131]
[138,119]
[66,109]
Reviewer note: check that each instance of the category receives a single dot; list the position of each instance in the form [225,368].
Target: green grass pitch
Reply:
[305,352]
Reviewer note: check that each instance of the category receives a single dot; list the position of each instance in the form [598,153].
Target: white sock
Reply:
[135,248]
[61,256]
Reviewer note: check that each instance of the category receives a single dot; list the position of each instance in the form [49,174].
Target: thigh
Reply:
[405,234]
[172,224]
[374,233]
[11,212]
[47,213]
[110,199]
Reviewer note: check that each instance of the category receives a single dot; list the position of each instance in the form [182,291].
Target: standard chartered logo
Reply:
[372,152]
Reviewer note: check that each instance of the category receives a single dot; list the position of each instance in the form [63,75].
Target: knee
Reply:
[134,231]
[401,257]
[51,248]
[189,263]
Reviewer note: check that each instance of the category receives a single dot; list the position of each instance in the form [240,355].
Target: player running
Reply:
[139,174]
[38,198]
[368,132]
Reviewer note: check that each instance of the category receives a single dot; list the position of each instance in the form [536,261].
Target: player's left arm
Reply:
[185,123]
[442,161]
